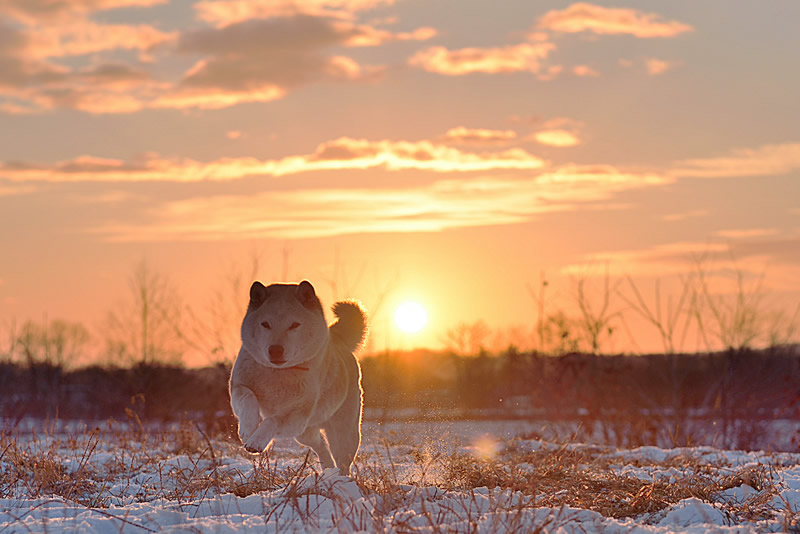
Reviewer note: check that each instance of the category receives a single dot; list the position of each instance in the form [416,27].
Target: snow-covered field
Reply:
[447,477]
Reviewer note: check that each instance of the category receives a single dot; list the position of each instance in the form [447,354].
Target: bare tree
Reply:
[596,321]
[216,334]
[560,334]
[340,283]
[782,327]
[664,319]
[57,343]
[538,297]
[147,328]
[7,354]
[467,338]
[736,321]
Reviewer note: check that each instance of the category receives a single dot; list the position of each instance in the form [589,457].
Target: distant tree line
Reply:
[647,396]
[644,396]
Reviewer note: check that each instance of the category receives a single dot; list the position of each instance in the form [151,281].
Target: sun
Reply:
[410,317]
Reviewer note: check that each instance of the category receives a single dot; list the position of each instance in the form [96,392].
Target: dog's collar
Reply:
[293,368]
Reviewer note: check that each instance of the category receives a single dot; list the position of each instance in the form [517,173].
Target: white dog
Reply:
[295,376]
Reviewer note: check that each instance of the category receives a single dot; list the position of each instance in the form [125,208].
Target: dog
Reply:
[296,377]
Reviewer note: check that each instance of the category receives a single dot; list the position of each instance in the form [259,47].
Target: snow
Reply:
[121,482]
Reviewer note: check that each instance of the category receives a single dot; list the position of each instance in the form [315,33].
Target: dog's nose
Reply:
[276,352]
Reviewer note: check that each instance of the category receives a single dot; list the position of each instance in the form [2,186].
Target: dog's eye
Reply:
[266,325]
[294,325]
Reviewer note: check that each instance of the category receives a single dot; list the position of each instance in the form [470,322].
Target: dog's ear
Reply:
[258,294]
[307,297]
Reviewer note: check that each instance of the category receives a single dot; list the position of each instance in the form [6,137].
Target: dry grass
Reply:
[190,466]
[587,478]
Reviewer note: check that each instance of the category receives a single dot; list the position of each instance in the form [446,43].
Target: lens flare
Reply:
[486,447]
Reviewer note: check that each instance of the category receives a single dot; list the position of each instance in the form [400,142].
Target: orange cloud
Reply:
[370,36]
[525,57]
[438,206]
[584,71]
[558,132]
[252,61]
[30,83]
[461,134]
[556,138]
[85,37]
[767,160]
[34,12]
[660,66]
[585,17]
[216,97]
[747,233]
[263,59]
[601,177]
[343,153]
[225,12]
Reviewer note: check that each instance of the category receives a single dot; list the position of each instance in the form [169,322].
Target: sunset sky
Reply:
[446,152]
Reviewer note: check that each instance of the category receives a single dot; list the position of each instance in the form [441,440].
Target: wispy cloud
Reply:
[256,60]
[558,132]
[263,59]
[657,66]
[746,233]
[524,57]
[586,17]
[63,28]
[342,153]
[224,12]
[83,36]
[462,134]
[585,71]
[441,205]
[396,155]
[556,138]
[33,86]
[30,82]
[767,160]
[37,11]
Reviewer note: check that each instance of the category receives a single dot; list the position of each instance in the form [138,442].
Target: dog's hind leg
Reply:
[343,431]
[311,437]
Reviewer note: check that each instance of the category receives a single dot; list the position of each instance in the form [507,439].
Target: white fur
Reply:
[313,384]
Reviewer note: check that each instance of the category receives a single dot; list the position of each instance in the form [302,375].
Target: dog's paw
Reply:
[252,449]
[257,442]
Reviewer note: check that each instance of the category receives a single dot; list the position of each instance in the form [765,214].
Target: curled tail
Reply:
[350,329]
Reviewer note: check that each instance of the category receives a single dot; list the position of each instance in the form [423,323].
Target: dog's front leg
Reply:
[245,408]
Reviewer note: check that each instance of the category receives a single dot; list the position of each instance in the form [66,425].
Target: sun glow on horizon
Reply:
[411,317]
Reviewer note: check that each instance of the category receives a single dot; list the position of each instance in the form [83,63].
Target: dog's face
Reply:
[284,325]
